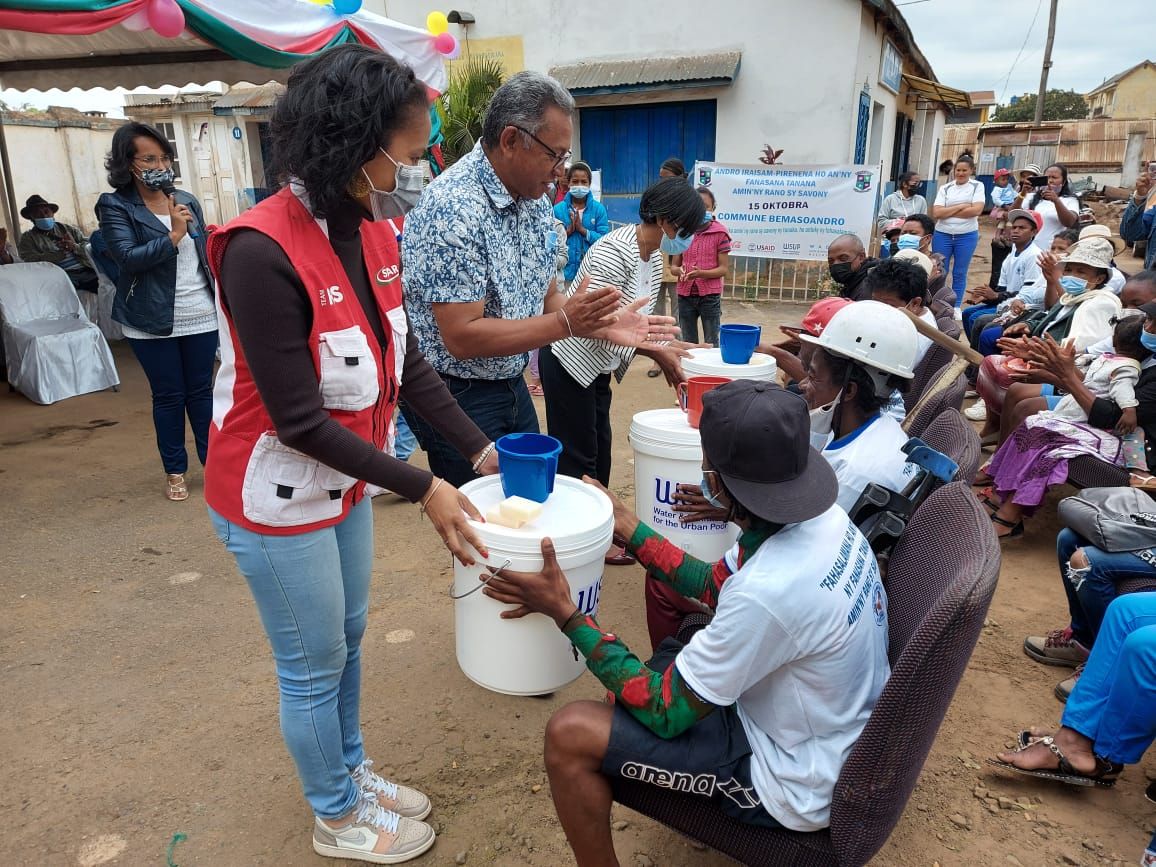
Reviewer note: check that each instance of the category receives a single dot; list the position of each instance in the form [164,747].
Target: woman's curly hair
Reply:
[338,108]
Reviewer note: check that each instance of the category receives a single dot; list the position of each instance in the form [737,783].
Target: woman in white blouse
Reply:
[957,207]
[1055,203]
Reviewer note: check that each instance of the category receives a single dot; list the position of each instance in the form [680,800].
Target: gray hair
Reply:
[523,101]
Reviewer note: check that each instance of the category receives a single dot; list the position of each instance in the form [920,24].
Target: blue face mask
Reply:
[579,192]
[908,242]
[1073,285]
[677,245]
[1147,340]
[713,499]
[45,223]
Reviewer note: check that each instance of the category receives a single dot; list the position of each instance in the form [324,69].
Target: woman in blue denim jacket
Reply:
[584,218]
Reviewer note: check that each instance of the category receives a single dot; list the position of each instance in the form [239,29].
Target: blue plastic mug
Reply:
[738,342]
[528,463]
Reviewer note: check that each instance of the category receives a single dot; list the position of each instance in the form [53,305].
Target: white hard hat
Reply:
[874,335]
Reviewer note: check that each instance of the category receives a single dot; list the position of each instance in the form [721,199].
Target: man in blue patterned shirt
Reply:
[479,270]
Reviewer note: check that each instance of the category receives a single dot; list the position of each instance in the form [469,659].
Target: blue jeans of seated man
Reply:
[1114,701]
[988,339]
[970,314]
[498,407]
[1090,591]
[404,442]
[312,592]
[957,251]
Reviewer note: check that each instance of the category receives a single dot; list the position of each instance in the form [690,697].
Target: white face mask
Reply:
[408,186]
[821,422]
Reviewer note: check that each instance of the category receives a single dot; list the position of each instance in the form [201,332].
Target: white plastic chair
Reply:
[53,350]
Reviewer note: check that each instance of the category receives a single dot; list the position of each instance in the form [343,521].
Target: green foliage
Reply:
[1058,105]
[461,107]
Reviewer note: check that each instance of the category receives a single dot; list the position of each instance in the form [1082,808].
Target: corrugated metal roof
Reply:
[250,97]
[596,74]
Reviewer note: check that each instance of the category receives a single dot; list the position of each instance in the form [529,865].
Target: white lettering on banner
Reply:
[791,212]
[664,491]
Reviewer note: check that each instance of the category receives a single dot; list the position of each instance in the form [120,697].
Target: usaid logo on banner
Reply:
[704,176]
[863,181]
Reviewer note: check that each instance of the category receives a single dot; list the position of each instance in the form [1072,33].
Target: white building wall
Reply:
[803,65]
[65,165]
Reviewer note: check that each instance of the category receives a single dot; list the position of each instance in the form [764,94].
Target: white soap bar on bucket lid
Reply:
[520,509]
[496,515]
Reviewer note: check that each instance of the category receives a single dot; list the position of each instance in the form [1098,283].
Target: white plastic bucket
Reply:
[708,362]
[667,453]
[530,656]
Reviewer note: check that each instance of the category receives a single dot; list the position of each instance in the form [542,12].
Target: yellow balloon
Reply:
[436,22]
[320,2]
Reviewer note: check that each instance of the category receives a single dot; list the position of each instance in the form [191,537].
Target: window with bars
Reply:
[861,128]
[170,133]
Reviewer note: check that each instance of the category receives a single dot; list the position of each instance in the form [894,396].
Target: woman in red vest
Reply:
[315,352]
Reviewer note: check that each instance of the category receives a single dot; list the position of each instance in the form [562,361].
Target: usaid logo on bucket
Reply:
[663,514]
[587,601]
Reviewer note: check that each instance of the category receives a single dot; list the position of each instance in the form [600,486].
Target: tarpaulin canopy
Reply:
[83,44]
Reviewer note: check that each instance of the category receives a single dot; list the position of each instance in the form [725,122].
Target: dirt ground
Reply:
[139,699]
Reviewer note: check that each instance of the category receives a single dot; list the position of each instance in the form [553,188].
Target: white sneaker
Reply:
[376,834]
[977,411]
[406,802]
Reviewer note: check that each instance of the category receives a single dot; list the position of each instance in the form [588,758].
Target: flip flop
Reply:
[535,390]
[1017,529]
[984,495]
[1147,482]
[1104,776]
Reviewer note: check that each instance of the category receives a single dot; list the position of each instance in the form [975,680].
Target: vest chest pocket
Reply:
[285,488]
[348,370]
[400,330]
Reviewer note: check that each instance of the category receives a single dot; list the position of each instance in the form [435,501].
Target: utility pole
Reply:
[1047,62]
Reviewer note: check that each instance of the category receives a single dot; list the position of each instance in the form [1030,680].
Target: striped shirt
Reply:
[612,261]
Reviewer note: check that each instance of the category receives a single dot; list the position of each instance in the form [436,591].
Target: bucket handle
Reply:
[493,573]
[683,396]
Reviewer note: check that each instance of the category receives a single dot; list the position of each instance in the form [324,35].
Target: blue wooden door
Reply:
[629,143]
[861,128]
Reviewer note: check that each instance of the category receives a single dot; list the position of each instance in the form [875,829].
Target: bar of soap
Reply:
[520,509]
[495,515]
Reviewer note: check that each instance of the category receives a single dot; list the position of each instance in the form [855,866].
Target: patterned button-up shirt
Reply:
[469,240]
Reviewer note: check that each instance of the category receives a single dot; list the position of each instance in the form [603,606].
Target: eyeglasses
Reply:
[559,159]
[151,162]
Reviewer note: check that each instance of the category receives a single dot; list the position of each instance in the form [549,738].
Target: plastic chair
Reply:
[940,582]
[99,309]
[945,391]
[953,435]
[926,371]
[53,351]
[1089,472]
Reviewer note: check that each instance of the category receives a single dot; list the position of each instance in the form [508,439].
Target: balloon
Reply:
[457,52]
[346,7]
[437,23]
[319,2]
[445,43]
[137,22]
[166,18]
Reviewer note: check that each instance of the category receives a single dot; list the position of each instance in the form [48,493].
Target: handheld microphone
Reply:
[170,190]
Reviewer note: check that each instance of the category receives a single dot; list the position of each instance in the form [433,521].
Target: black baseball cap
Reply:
[757,436]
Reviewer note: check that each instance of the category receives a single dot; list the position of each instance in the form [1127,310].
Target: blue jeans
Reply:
[404,442]
[312,592]
[180,375]
[972,313]
[1091,590]
[498,407]
[1114,701]
[988,339]
[692,308]
[957,251]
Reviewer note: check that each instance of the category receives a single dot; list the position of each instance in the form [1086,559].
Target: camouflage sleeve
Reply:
[661,701]
[694,579]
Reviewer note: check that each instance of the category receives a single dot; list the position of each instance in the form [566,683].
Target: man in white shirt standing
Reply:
[1020,271]
[759,710]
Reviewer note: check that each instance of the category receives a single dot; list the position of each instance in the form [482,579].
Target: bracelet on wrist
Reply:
[566,319]
[425,500]
[485,453]
[566,622]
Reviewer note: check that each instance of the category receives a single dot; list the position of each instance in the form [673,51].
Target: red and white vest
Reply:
[251,478]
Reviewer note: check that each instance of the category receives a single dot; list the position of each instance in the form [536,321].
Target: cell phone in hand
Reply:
[1038,180]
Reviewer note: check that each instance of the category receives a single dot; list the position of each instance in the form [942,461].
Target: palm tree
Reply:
[461,107]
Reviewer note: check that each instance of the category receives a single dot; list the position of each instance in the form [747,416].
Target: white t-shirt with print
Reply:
[799,644]
[873,453]
[952,194]
[1052,224]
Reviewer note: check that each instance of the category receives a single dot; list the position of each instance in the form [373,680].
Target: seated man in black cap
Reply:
[58,243]
[759,709]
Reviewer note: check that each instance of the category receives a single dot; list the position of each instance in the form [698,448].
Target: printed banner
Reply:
[791,212]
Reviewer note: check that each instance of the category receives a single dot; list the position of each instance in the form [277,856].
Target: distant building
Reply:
[1130,94]
[982,102]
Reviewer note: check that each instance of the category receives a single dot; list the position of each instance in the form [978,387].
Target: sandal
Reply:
[177,489]
[984,495]
[535,390]
[1142,481]
[1014,530]
[1104,776]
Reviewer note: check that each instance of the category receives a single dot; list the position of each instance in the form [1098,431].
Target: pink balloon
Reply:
[166,18]
[137,22]
[457,52]
[445,43]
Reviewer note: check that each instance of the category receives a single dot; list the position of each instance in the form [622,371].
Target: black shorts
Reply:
[711,760]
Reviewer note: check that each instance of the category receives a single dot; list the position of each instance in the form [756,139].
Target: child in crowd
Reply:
[700,272]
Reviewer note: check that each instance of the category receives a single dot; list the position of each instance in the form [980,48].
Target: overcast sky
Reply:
[972,45]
